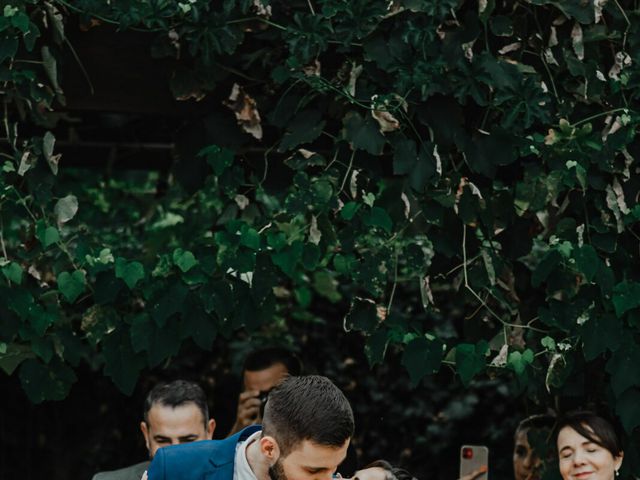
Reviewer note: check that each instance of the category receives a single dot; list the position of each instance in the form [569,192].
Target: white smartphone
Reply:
[472,458]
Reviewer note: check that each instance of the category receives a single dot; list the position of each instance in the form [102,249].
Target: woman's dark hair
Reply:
[392,473]
[592,427]
[537,422]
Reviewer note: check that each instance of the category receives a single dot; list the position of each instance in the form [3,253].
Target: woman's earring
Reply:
[617,473]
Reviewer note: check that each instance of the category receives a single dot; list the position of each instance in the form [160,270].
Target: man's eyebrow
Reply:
[191,435]
[160,437]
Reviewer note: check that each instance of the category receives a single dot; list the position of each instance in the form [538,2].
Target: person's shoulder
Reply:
[134,472]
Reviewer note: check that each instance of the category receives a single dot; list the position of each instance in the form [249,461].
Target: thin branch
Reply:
[598,115]
[626,19]
[395,283]
[4,248]
[346,175]
[82,69]
[313,12]
[473,292]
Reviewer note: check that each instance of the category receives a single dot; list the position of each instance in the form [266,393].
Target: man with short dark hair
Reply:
[174,413]
[307,427]
[262,370]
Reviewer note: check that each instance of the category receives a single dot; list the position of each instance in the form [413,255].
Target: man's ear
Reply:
[270,449]
[211,427]
[145,433]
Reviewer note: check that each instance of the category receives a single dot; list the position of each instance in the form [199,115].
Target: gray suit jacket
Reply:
[134,472]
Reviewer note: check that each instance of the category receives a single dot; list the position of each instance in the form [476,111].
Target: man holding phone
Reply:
[262,370]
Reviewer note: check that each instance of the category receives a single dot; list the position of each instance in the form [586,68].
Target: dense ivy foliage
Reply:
[454,179]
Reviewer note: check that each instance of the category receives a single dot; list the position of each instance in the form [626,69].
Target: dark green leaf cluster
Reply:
[454,179]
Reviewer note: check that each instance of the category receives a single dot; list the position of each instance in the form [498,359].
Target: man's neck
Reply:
[257,461]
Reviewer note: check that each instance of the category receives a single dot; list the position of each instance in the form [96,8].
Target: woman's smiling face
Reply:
[582,459]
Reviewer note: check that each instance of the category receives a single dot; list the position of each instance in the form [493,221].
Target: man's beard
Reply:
[276,472]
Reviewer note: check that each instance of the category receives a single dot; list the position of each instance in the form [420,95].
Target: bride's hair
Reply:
[392,473]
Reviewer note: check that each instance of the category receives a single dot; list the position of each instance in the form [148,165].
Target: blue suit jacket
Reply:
[203,460]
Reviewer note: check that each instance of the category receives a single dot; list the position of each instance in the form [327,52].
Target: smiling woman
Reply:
[588,447]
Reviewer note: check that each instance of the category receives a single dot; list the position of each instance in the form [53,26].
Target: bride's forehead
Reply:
[372,473]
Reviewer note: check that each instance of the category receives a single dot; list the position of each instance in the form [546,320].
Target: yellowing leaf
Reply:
[314,232]
[577,41]
[356,70]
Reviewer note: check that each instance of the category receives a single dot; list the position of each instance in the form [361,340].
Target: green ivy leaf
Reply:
[250,238]
[13,355]
[378,217]
[46,235]
[587,261]
[219,158]
[545,267]
[8,48]
[626,296]
[419,167]
[601,333]
[183,259]
[363,315]
[46,382]
[122,364]
[623,366]
[43,348]
[363,133]
[130,272]
[201,326]
[422,357]
[627,409]
[518,362]
[349,209]
[168,302]
[326,286]
[71,285]
[470,360]
[305,127]
[376,346]
[288,258]
[160,343]
[13,272]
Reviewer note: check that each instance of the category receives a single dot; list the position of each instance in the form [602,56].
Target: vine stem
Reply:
[346,175]
[313,12]
[475,294]
[626,18]
[105,19]
[395,283]
[4,248]
[23,201]
[601,114]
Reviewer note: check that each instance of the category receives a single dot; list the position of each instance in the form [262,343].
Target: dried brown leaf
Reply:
[386,121]
[246,111]
[512,47]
